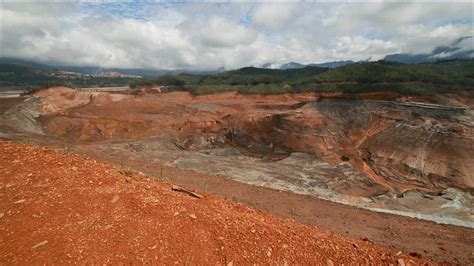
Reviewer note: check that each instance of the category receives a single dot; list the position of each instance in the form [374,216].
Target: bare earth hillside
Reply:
[405,155]
[64,208]
[353,164]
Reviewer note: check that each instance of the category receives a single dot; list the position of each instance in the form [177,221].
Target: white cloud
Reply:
[208,35]
[273,14]
[348,46]
[220,32]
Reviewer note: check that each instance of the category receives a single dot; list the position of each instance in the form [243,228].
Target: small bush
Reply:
[126,171]
[65,149]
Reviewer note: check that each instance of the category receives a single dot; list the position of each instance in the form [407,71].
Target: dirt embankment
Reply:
[298,143]
[62,208]
[401,145]
[364,150]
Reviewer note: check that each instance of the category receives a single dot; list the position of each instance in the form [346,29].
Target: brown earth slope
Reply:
[399,144]
[63,208]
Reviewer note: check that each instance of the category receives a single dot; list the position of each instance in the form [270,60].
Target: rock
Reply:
[193,216]
[115,199]
[19,201]
[329,262]
[40,244]
[401,262]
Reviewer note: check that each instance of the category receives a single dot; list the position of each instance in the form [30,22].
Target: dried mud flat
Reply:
[408,156]
[62,208]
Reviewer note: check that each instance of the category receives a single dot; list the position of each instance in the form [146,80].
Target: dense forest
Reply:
[413,79]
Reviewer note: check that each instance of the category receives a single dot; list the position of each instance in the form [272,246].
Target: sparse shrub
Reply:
[27,141]
[126,170]
[65,149]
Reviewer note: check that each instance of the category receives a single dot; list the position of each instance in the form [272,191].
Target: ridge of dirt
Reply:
[61,208]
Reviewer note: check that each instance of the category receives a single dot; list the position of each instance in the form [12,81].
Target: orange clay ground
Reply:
[60,208]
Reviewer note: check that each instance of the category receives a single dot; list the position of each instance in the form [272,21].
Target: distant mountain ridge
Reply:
[334,64]
[461,48]
[295,65]
[99,71]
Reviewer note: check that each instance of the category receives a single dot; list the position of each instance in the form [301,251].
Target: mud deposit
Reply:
[406,156]
[410,156]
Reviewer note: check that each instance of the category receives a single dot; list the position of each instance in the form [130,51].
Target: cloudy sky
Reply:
[189,35]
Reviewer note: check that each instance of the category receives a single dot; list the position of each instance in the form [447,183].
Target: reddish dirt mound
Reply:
[63,208]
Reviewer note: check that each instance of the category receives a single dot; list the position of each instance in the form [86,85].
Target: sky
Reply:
[205,36]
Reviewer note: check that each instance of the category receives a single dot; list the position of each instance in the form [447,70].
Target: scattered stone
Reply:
[19,201]
[401,262]
[231,263]
[2,214]
[40,244]
[329,262]
[193,216]
[115,199]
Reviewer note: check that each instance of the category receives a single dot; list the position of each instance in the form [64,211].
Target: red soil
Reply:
[63,208]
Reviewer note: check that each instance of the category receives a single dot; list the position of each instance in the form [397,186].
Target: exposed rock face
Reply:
[423,154]
[409,146]
[23,117]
